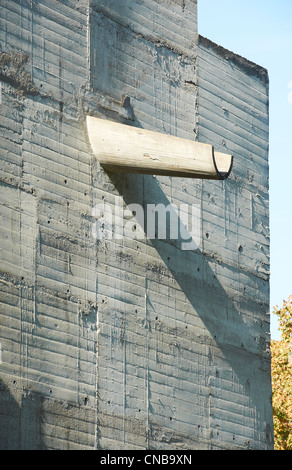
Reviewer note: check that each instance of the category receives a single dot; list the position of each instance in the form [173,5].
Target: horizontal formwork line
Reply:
[60,37]
[184,363]
[7,130]
[65,278]
[222,252]
[111,423]
[77,235]
[83,365]
[19,208]
[179,353]
[220,132]
[65,315]
[258,146]
[113,442]
[167,279]
[229,227]
[52,251]
[12,123]
[12,156]
[156,419]
[53,156]
[239,123]
[170,368]
[179,384]
[83,417]
[30,337]
[72,74]
[155,123]
[236,140]
[44,54]
[51,189]
[142,93]
[60,7]
[56,13]
[7,133]
[230,100]
[71,125]
[229,96]
[75,437]
[87,276]
[237,80]
[166,274]
[161,13]
[74,142]
[165,411]
[39,165]
[36,378]
[178,38]
[90,275]
[11,170]
[129,54]
[184,413]
[55,145]
[78,238]
[54,336]
[56,285]
[17,257]
[173,326]
[75,14]
[54,367]
[62,243]
[259,141]
[179,114]
[229,204]
[52,443]
[180,105]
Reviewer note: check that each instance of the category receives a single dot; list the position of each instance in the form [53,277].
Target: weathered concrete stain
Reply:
[13,71]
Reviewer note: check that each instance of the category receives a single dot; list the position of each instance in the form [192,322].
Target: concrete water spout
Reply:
[123,148]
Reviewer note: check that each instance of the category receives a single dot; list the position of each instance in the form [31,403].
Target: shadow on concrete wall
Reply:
[220,314]
[20,423]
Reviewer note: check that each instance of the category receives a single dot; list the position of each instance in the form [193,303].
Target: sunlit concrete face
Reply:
[124,342]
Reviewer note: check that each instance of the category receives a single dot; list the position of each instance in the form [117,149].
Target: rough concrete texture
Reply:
[123,343]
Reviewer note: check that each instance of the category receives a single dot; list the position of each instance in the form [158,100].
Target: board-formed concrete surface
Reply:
[116,341]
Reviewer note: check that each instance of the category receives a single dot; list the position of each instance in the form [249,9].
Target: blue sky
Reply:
[261,31]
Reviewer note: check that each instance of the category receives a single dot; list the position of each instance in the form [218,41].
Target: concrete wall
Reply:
[234,115]
[122,343]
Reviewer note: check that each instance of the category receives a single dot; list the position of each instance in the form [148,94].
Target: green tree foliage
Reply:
[282,378]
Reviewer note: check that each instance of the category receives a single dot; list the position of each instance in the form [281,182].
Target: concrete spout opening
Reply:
[123,148]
